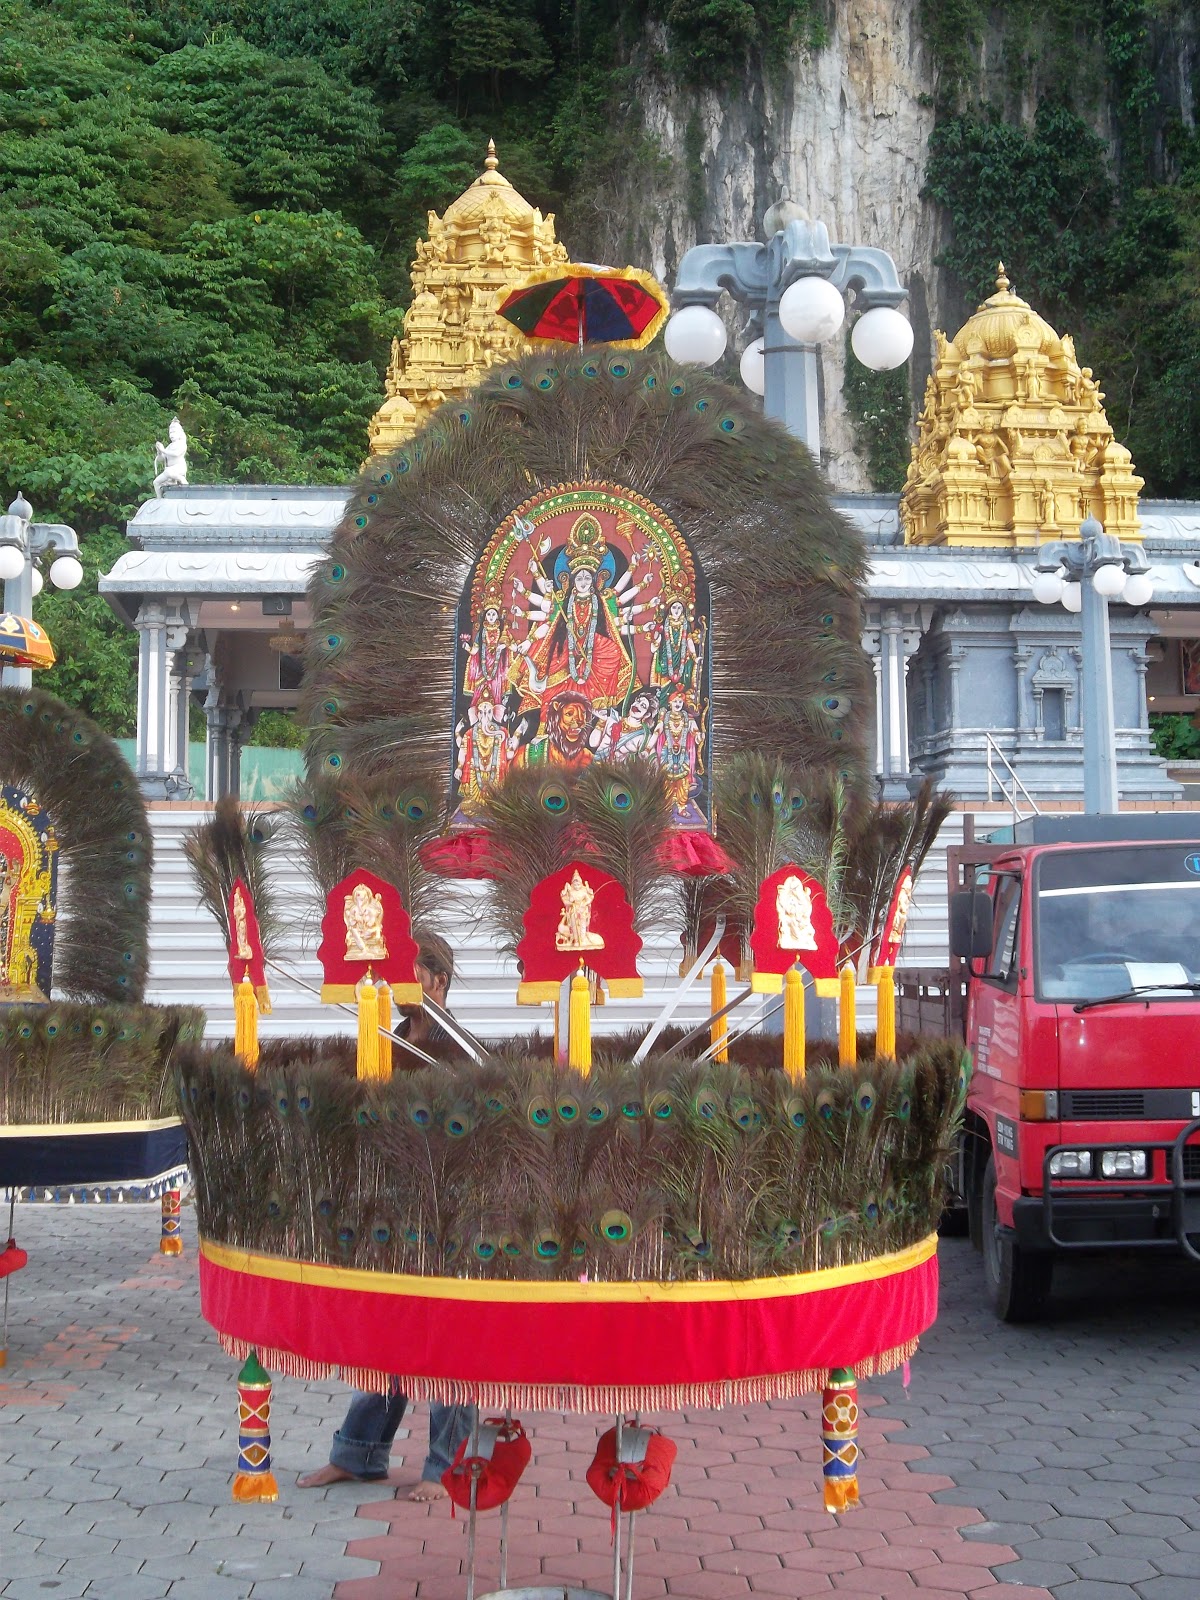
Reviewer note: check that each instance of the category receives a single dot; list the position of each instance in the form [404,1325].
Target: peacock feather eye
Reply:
[904,1107]
[510,1246]
[26,1030]
[777,796]
[827,620]
[632,1110]
[796,1113]
[495,1105]
[547,1245]
[513,381]
[118,784]
[787,1235]
[420,1112]
[134,836]
[464,418]
[650,381]
[129,890]
[360,522]
[282,1104]
[567,1108]
[385,477]
[578,1249]
[870,1211]
[589,369]
[451,1247]
[332,641]
[831,677]
[416,809]
[274,1205]
[99,1030]
[77,737]
[798,802]
[310,813]
[864,1098]
[52,1030]
[333,761]
[555,799]
[485,1249]
[836,705]
[616,1227]
[707,1105]
[598,1110]
[331,707]
[381,1233]
[746,1114]
[346,1235]
[459,1122]
[661,1107]
[618,797]
[304,1100]
[678,388]
[337,572]
[545,381]
[824,1106]
[731,425]
[403,464]
[243,1098]
[372,499]
[619,368]
[28,708]
[539,1111]
[756,798]
[362,1116]
[702,405]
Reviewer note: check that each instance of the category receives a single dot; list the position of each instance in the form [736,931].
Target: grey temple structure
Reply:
[975,682]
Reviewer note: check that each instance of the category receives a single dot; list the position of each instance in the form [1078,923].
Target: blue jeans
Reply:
[363,1444]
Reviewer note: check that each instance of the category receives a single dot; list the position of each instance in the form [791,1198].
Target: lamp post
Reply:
[794,286]
[1085,574]
[22,542]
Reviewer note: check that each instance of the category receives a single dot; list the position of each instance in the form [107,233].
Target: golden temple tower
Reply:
[488,241]
[1013,445]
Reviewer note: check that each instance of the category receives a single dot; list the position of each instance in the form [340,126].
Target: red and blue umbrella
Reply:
[577,303]
[23,643]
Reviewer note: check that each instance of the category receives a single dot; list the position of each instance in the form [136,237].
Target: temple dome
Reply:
[490,195]
[1004,324]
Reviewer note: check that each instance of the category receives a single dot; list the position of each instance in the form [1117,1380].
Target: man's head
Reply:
[435,964]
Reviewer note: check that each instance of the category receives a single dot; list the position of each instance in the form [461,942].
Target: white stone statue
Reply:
[170,459]
[793,907]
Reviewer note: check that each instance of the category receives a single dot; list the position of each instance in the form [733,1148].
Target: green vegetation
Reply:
[1108,250]
[1175,735]
[879,406]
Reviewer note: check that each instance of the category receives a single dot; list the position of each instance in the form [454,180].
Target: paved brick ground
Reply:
[1077,1445]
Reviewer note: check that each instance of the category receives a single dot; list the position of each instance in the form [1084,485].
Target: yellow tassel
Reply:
[719,1032]
[793,1023]
[368,1028]
[885,1027]
[245,1022]
[384,999]
[847,1026]
[579,1025]
[251,1487]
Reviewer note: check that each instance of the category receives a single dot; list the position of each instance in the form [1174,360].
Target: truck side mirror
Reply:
[970,924]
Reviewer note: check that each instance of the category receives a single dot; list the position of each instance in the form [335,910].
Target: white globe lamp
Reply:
[882,339]
[66,573]
[754,367]
[811,310]
[37,581]
[1047,588]
[695,336]
[1109,580]
[1139,589]
[12,562]
[1072,597]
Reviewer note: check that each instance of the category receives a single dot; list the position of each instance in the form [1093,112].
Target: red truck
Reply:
[1077,951]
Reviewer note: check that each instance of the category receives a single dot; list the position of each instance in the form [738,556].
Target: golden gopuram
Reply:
[489,240]
[1013,445]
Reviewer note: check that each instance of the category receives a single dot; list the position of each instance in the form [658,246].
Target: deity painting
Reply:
[583,636]
[363,915]
[574,931]
[241,928]
[1189,654]
[793,905]
[28,897]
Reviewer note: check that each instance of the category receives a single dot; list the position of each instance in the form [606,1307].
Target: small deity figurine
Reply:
[363,915]
[171,459]
[678,643]
[793,906]
[903,906]
[1047,505]
[991,451]
[484,750]
[574,931]
[10,880]
[241,931]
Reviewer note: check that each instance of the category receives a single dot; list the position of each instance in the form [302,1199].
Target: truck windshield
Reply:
[1112,920]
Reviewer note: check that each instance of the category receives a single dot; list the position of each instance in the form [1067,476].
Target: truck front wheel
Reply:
[1018,1281]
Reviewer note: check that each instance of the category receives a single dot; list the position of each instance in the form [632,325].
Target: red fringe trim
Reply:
[577,1398]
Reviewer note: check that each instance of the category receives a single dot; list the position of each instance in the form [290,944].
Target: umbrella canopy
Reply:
[23,643]
[577,303]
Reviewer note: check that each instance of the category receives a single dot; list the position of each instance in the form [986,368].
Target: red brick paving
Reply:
[743,1517]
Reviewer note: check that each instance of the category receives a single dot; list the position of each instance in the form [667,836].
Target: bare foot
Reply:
[325,1475]
[426,1490]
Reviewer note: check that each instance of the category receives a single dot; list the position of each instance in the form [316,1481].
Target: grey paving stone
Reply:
[1115,1569]
[334,1569]
[291,1589]
[1069,1551]
[1142,1522]
[26,1563]
[1168,1589]
[1177,1563]
[36,1589]
[1093,1589]
[134,1587]
[209,1589]
[1043,1574]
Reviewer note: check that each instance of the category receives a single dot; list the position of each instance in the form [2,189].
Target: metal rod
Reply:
[629,1561]
[504,1517]
[732,1038]
[703,1027]
[617,1515]
[396,1038]
[472,1452]
[665,1014]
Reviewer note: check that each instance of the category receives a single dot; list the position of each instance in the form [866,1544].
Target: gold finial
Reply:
[1001,280]
[491,163]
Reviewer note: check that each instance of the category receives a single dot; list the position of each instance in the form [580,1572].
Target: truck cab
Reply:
[1080,946]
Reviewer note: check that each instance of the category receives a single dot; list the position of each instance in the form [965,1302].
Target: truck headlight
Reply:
[1071,1164]
[1123,1164]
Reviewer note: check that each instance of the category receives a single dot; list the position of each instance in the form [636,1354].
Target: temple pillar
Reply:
[223,749]
[891,638]
[162,628]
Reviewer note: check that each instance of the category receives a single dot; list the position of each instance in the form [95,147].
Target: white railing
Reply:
[999,767]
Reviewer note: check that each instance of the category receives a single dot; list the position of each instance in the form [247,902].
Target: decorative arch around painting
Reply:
[583,634]
[28,896]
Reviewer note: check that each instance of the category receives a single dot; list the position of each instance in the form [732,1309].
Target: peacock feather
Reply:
[232,845]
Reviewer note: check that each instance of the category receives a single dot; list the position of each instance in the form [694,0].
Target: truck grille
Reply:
[1097,1105]
[1191,1163]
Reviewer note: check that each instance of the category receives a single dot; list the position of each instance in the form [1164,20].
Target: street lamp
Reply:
[22,542]
[794,286]
[1085,574]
